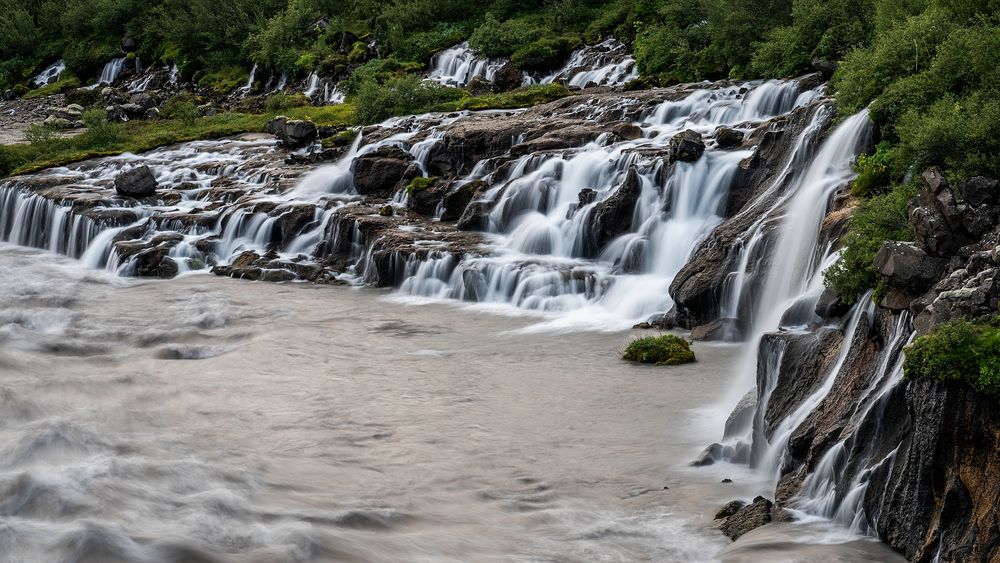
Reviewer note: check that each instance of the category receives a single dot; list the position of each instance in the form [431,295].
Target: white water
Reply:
[248,87]
[606,64]
[458,65]
[174,74]
[50,74]
[545,259]
[110,72]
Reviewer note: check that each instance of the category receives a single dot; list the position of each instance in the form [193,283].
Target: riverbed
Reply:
[212,419]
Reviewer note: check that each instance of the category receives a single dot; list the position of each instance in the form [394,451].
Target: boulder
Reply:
[292,132]
[143,100]
[136,182]
[456,200]
[830,306]
[740,419]
[979,190]
[586,197]
[54,122]
[724,329]
[748,518]
[908,268]
[708,456]
[383,171]
[728,138]
[613,216]
[730,508]
[69,113]
[507,78]
[687,146]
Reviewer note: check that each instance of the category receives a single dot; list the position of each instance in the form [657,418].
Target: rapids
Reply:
[211,419]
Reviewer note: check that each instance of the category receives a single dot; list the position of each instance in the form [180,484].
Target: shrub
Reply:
[83,96]
[101,133]
[183,106]
[402,95]
[876,171]
[500,39]
[663,350]
[225,80]
[881,218]
[280,102]
[960,350]
[38,135]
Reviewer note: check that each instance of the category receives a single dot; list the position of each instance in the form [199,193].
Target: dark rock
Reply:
[143,100]
[458,199]
[382,172]
[907,269]
[687,146]
[724,329]
[137,182]
[726,481]
[979,190]
[129,45]
[730,508]
[386,211]
[830,305]
[728,138]
[627,131]
[479,86]
[825,67]
[748,518]
[708,456]
[612,217]
[587,196]
[507,78]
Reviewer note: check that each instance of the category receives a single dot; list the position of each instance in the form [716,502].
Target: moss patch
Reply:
[66,82]
[961,350]
[419,184]
[663,350]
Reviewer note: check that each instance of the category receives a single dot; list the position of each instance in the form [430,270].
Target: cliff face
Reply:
[913,462]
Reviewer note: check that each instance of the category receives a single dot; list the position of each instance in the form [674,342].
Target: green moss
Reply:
[224,80]
[522,97]
[341,139]
[663,350]
[65,82]
[419,184]
[281,102]
[961,350]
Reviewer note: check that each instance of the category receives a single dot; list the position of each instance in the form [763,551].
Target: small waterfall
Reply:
[50,74]
[174,74]
[606,64]
[110,72]
[248,87]
[458,65]
[313,85]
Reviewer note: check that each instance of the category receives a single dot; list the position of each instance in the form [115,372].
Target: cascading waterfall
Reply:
[248,87]
[606,64]
[50,74]
[174,74]
[543,234]
[110,72]
[458,65]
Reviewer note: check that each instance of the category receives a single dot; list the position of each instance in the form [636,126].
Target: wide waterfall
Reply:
[458,65]
[607,63]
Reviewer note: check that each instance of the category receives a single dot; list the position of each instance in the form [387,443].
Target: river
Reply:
[211,419]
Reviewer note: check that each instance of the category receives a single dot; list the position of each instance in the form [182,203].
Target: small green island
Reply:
[663,350]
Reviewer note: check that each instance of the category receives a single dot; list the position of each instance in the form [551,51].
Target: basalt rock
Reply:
[458,199]
[687,146]
[612,217]
[748,518]
[908,272]
[137,182]
[724,329]
[383,172]
[728,138]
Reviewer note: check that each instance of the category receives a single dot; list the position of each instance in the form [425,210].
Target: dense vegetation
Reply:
[663,350]
[959,351]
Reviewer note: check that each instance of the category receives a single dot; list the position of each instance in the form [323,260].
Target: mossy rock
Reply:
[342,139]
[420,184]
[663,350]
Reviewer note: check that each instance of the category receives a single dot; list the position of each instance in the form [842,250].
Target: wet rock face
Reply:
[384,171]
[138,182]
[941,497]
[748,518]
[687,146]
[908,270]
[613,216]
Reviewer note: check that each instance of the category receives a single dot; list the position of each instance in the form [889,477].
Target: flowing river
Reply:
[211,419]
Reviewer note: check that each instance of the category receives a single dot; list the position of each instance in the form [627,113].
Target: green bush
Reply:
[877,171]
[401,95]
[101,133]
[663,350]
[960,350]
[224,80]
[37,134]
[881,218]
[183,106]
[495,38]
[280,102]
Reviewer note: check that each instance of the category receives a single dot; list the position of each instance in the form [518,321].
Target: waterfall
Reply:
[546,258]
[248,87]
[110,72]
[606,64]
[50,74]
[458,65]
[174,73]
